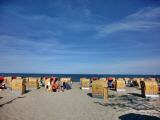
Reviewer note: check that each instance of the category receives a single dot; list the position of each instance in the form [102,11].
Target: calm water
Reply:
[76,77]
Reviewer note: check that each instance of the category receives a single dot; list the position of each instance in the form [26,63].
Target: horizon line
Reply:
[80,73]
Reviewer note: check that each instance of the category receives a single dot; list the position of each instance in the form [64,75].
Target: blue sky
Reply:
[80,36]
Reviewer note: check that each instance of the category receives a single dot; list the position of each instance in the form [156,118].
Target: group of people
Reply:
[55,85]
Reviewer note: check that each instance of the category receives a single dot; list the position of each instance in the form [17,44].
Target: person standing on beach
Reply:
[61,86]
[55,85]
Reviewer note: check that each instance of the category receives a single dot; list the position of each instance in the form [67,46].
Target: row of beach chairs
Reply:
[21,84]
[149,87]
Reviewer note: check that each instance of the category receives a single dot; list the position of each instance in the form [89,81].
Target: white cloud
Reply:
[145,19]
[13,45]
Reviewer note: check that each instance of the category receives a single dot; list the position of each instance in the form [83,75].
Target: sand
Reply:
[76,104]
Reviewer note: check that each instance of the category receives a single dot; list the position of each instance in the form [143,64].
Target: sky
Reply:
[80,36]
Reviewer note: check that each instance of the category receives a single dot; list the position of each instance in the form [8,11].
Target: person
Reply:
[64,85]
[61,86]
[41,82]
[71,82]
[130,83]
[55,85]
[47,83]
[110,82]
[67,86]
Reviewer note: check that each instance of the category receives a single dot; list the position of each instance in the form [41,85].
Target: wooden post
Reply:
[106,94]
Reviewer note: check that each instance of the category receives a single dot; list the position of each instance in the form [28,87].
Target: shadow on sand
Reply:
[135,94]
[89,94]
[133,116]
[110,96]
[27,91]
[126,102]
[11,101]
[112,89]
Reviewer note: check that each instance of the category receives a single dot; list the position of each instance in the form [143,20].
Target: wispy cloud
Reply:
[52,47]
[73,21]
[13,45]
[145,19]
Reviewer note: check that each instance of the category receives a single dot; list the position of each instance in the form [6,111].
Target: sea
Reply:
[76,77]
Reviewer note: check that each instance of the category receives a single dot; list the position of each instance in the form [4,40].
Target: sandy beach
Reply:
[76,104]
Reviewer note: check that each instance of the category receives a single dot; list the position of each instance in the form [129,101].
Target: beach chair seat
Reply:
[47,82]
[84,83]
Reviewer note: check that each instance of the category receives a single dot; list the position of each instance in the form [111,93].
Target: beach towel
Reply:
[67,86]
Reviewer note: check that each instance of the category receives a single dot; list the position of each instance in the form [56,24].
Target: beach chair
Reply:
[84,83]
[149,88]
[33,83]
[120,84]
[2,83]
[67,82]
[98,88]
[18,85]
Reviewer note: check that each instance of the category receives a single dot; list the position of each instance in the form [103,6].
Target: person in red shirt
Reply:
[55,85]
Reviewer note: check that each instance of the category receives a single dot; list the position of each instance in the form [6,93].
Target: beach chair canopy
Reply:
[14,77]
[94,78]
[110,78]
[1,78]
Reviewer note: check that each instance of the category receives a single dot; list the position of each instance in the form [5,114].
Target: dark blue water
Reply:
[76,77]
